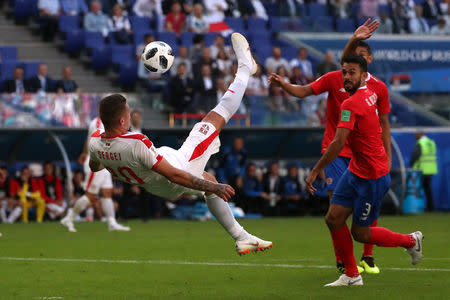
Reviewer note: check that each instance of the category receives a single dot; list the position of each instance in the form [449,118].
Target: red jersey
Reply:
[177,22]
[333,83]
[359,114]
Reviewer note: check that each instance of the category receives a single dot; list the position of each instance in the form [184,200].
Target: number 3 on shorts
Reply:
[366,213]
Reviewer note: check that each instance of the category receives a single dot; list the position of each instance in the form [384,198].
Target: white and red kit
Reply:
[131,158]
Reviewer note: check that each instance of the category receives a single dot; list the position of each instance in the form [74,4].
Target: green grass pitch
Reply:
[181,259]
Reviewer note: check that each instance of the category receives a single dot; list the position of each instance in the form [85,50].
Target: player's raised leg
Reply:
[231,100]
[245,242]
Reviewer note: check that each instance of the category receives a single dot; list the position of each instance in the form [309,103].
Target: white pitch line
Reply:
[169,262]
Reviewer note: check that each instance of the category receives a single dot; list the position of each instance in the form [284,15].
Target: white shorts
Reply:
[93,182]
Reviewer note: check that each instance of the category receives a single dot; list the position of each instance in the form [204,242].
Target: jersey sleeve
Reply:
[347,117]
[91,151]
[320,85]
[146,153]
[383,101]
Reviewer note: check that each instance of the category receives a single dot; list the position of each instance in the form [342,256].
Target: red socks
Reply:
[368,248]
[343,245]
[385,238]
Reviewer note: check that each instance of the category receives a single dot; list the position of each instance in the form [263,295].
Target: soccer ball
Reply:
[157,57]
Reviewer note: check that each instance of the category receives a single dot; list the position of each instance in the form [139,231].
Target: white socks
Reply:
[231,100]
[16,213]
[222,212]
[108,209]
[79,206]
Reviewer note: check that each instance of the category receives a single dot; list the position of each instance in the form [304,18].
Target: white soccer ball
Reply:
[157,57]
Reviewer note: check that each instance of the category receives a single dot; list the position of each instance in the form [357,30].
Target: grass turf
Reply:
[145,263]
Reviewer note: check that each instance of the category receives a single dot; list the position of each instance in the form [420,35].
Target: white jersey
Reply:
[94,125]
[131,157]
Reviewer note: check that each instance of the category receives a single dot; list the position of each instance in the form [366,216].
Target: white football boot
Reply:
[416,252]
[66,222]
[344,280]
[242,50]
[252,244]
[117,227]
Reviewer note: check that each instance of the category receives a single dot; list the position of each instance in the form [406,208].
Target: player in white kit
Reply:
[170,173]
[94,182]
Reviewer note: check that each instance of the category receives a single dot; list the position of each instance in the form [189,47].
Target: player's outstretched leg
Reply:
[231,100]
[245,242]
[80,205]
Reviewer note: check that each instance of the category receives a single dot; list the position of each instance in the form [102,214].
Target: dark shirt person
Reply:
[41,81]
[17,84]
[66,84]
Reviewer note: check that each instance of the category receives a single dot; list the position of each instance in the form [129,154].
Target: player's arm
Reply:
[363,32]
[386,137]
[95,165]
[83,154]
[332,152]
[299,91]
[185,179]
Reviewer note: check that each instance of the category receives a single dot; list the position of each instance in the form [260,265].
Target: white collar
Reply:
[363,87]
[368,76]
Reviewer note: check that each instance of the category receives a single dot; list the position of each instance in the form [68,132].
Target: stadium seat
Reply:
[128,73]
[209,38]
[186,39]
[31,68]
[8,53]
[272,8]
[169,38]
[101,57]
[289,53]
[345,25]
[24,8]
[7,69]
[262,53]
[139,36]
[67,23]
[93,40]
[384,8]
[275,24]
[74,41]
[235,23]
[122,54]
[139,23]
[354,9]
[256,24]
[323,24]
[260,38]
[317,9]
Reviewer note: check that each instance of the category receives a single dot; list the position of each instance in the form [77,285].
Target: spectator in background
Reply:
[340,9]
[96,21]
[280,100]
[51,191]
[181,90]
[440,28]
[292,190]
[258,10]
[27,191]
[66,84]
[175,20]
[400,20]
[444,6]
[297,77]
[77,182]
[386,25]
[182,57]
[368,9]
[232,162]
[215,10]
[272,63]
[417,24]
[219,44]
[148,8]
[41,82]
[206,59]
[252,190]
[197,22]
[447,17]
[17,84]
[223,62]
[120,26]
[49,12]
[205,90]
[273,189]
[196,50]
[74,7]
[304,63]
[8,203]
[258,84]
[424,158]
[327,65]
[431,10]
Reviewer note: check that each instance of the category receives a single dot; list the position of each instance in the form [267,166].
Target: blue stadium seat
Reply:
[122,54]
[323,24]
[275,24]
[24,8]
[139,36]
[74,41]
[289,53]
[31,68]
[262,53]
[260,38]
[209,38]
[272,8]
[101,57]
[128,73]
[345,25]
[169,38]
[93,40]
[256,24]
[354,9]
[317,9]
[384,9]
[8,53]
[235,23]
[67,23]
[139,23]
[186,38]
[7,69]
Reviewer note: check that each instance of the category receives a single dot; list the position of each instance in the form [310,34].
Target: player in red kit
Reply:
[332,83]
[363,185]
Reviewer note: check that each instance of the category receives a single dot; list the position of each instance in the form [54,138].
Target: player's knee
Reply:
[332,220]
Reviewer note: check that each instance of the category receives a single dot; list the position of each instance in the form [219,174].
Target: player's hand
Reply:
[365,31]
[310,180]
[224,191]
[276,80]
[82,158]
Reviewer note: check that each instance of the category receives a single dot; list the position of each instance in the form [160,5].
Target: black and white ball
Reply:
[157,57]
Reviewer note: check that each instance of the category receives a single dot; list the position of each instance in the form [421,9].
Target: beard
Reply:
[351,88]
